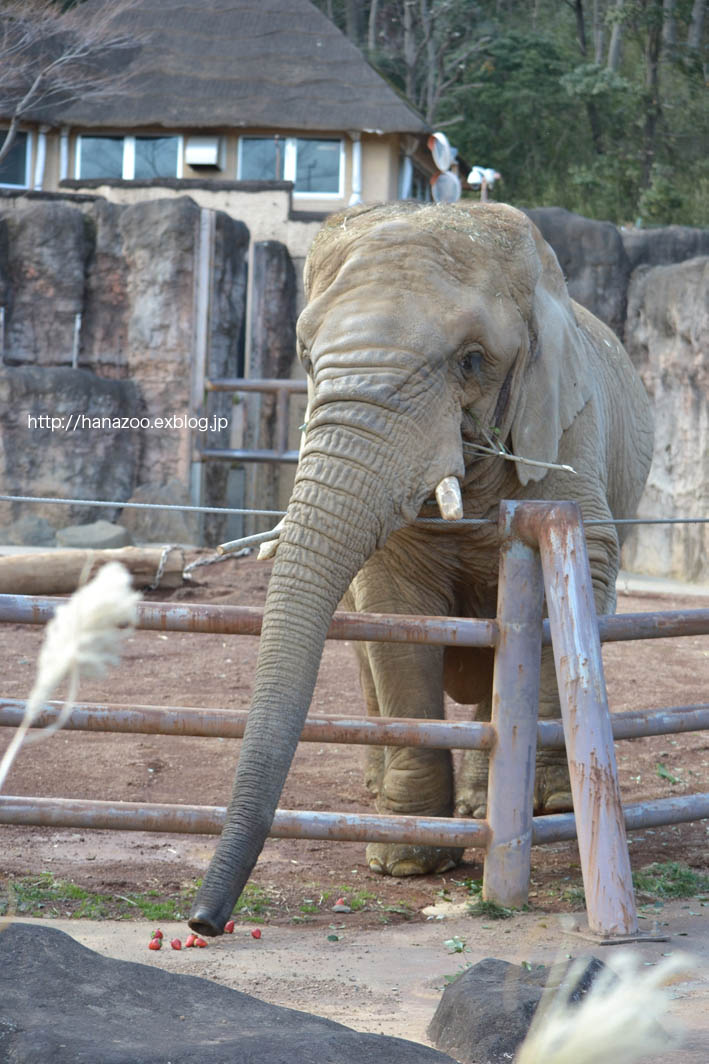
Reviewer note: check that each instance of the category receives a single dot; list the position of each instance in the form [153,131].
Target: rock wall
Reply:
[593,260]
[151,283]
[667,335]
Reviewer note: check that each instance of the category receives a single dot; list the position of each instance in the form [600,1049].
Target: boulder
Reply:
[28,531]
[99,535]
[484,1015]
[592,258]
[62,435]
[162,526]
[668,340]
[61,1002]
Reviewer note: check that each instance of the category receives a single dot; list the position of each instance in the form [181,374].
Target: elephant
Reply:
[439,340]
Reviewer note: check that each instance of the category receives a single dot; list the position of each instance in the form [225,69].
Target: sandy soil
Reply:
[385,969]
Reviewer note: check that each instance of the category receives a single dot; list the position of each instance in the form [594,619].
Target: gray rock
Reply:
[668,340]
[485,1014]
[99,535]
[272,354]
[46,248]
[593,259]
[665,246]
[63,1003]
[62,435]
[28,531]
[162,526]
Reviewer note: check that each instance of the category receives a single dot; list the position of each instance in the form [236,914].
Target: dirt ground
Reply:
[398,946]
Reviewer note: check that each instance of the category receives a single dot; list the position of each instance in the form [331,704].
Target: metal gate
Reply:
[543,551]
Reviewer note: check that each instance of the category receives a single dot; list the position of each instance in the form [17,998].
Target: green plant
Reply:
[491,910]
[670,879]
[43,895]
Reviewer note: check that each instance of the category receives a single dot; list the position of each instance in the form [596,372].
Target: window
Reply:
[14,169]
[129,158]
[315,166]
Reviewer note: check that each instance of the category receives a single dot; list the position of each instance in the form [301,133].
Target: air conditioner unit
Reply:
[205,152]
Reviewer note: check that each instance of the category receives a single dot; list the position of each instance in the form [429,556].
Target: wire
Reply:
[142,505]
[437,521]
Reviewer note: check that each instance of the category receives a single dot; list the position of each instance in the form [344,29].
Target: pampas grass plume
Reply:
[82,639]
[617,1019]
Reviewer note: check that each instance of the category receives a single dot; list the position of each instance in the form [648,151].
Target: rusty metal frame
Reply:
[543,550]
[283,389]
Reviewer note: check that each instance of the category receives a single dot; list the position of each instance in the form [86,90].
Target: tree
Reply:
[51,57]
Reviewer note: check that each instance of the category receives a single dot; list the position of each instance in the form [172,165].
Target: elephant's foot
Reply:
[389,859]
[374,769]
[471,792]
[552,788]
[472,803]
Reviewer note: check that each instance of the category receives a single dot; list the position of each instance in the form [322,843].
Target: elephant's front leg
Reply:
[406,681]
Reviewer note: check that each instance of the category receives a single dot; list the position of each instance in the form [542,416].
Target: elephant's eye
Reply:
[470,362]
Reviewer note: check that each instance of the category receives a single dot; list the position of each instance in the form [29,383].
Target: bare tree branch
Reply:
[51,57]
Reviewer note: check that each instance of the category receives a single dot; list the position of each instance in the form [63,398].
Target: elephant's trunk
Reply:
[340,510]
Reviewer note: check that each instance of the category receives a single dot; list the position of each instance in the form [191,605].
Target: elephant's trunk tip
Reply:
[205,921]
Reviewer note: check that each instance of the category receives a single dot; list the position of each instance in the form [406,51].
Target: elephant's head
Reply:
[425,326]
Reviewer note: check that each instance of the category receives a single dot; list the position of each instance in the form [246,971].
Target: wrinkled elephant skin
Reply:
[428,332]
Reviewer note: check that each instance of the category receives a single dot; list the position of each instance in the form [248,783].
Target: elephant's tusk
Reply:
[449,499]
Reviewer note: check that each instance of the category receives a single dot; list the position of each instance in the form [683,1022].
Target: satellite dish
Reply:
[441,151]
[446,188]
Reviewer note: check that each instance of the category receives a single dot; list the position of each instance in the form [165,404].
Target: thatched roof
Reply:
[224,64]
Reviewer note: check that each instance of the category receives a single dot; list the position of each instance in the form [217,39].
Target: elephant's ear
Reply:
[556,382]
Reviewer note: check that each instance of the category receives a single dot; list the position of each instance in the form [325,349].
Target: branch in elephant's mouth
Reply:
[479,450]
[494,446]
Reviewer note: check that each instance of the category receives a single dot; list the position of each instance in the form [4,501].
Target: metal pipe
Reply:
[603,847]
[230,724]
[341,827]
[223,454]
[208,820]
[515,703]
[256,384]
[246,620]
[561,827]
[376,731]
[282,411]
[636,723]
[461,631]
[621,627]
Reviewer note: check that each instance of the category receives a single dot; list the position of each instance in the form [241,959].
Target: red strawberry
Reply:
[176,944]
[229,927]
[190,941]
[155,943]
[157,934]
[256,933]
[200,942]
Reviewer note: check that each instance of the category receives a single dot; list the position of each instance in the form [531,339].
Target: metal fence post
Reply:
[515,701]
[600,827]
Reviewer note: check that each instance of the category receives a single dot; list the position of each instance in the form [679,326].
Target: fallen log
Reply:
[60,572]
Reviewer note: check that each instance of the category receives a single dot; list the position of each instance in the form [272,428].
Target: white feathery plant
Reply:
[616,1020]
[82,639]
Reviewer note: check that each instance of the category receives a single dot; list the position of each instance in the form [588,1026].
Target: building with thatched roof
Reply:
[238,96]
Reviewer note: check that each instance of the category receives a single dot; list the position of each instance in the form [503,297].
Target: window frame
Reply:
[128,155]
[28,135]
[290,163]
